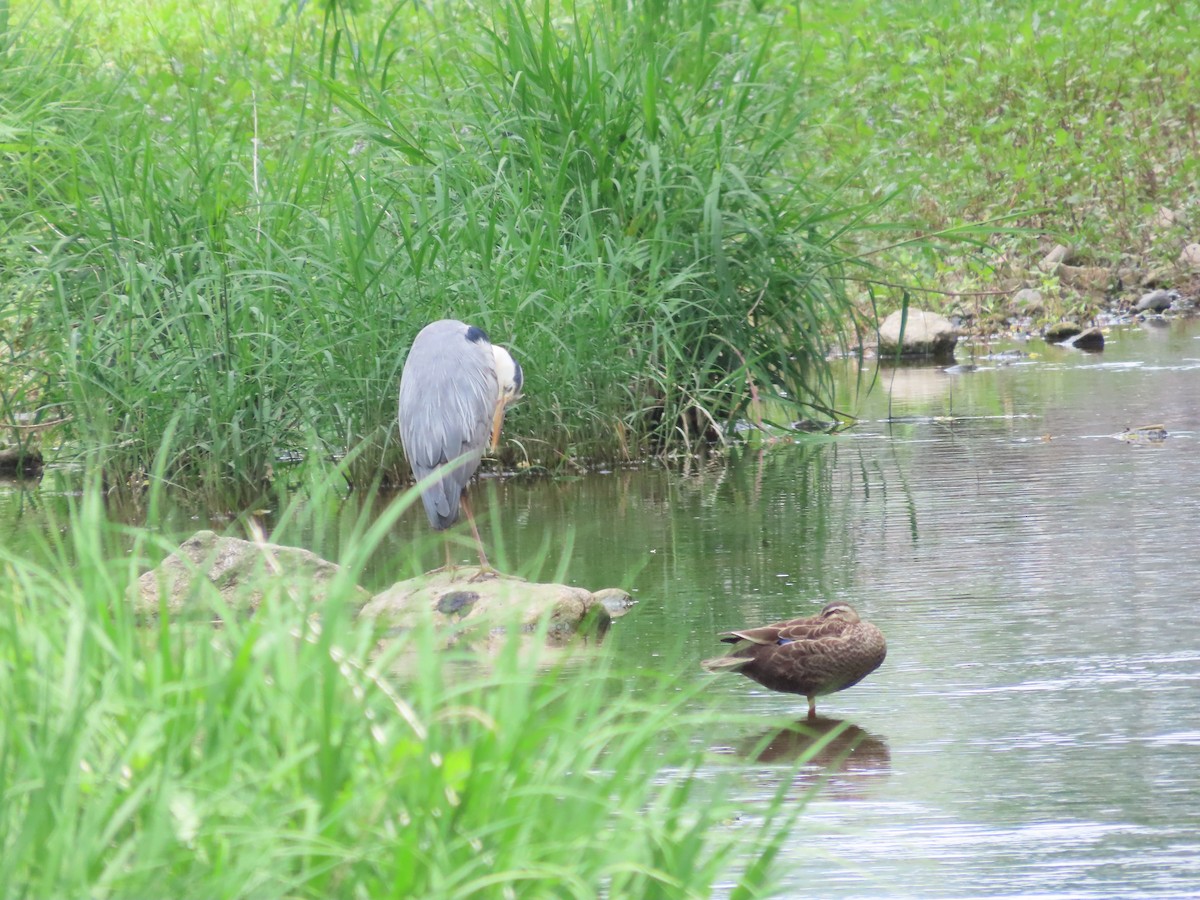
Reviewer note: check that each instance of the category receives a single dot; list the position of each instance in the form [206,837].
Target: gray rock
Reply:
[1060,332]
[242,572]
[926,334]
[1028,302]
[1156,301]
[481,611]
[1052,260]
[1189,257]
[1091,340]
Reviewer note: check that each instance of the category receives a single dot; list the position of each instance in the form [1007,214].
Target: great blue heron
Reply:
[454,390]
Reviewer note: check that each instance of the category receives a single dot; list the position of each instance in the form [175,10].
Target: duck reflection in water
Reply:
[819,655]
[827,747]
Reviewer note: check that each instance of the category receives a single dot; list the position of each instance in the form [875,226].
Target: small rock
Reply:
[1052,260]
[1189,257]
[615,600]
[1007,356]
[1149,434]
[1091,340]
[1059,332]
[813,426]
[1088,279]
[1156,301]
[1028,302]
[16,461]
[925,334]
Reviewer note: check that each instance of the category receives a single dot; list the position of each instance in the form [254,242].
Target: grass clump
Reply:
[244,244]
[273,758]
[626,172]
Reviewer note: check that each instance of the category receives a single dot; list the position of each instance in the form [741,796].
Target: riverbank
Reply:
[232,222]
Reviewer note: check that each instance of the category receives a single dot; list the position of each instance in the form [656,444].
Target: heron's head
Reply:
[508,374]
[510,379]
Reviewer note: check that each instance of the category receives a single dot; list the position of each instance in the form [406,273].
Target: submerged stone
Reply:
[1091,340]
[16,461]
[1145,434]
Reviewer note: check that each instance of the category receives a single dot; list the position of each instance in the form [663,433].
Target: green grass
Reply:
[1082,116]
[244,244]
[231,223]
[278,757]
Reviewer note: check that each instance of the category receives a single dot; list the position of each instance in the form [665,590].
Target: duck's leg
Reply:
[812,707]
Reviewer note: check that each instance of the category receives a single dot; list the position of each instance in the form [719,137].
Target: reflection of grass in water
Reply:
[246,761]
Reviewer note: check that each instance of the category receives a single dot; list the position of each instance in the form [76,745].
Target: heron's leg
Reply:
[485,568]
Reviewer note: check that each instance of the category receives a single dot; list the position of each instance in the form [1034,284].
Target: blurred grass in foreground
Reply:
[287,756]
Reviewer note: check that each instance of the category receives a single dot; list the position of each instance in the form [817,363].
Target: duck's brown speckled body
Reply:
[828,652]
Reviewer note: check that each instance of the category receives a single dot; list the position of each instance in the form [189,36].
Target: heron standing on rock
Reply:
[454,390]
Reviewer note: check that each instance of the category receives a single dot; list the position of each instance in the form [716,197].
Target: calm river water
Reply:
[1035,730]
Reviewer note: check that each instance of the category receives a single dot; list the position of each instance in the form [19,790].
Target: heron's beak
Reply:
[497,422]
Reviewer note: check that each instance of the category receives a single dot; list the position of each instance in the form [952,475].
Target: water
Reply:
[1035,730]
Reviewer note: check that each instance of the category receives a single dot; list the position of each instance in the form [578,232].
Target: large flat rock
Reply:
[462,605]
[242,572]
[483,610]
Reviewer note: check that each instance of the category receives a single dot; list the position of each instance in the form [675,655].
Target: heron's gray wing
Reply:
[448,393]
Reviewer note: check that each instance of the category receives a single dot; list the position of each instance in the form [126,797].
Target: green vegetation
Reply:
[231,223]
[278,757]
[1082,114]
[1079,116]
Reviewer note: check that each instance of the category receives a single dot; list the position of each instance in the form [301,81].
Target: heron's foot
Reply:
[485,572]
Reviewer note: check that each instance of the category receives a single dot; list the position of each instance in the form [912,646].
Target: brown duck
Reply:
[828,652]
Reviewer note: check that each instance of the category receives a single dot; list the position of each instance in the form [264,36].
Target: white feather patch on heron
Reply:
[506,372]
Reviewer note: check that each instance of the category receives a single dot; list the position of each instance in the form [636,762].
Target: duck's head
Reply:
[839,610]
